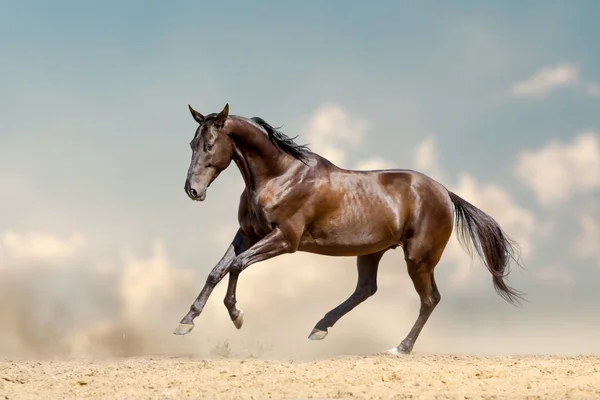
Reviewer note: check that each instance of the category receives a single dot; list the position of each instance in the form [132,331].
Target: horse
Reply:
[296,200]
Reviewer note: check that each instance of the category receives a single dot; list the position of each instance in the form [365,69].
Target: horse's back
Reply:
[369,211]
[357,212]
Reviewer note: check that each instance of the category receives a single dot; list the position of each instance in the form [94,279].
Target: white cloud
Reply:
[587,244]
[546,80]
[129,308]
[40,246]
[375,163]
[593,89]
[426,159]
[558,171]
[145,283]
[332,131]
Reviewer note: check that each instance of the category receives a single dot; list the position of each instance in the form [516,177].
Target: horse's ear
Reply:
[197,116]
[222,117]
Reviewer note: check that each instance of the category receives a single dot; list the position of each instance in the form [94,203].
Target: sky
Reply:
[102,252]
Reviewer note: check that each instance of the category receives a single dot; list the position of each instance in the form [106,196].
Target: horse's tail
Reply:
[494,247]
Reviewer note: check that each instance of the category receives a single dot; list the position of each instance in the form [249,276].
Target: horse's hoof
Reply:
[317,334]
[239,321]
[182,329]
[398,351]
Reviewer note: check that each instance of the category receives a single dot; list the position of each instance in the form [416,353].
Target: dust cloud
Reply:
[68,304]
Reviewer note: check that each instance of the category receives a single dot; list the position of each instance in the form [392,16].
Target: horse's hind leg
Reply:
[366,287]
[421,258]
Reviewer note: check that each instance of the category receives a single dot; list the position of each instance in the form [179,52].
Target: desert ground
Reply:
[379,376]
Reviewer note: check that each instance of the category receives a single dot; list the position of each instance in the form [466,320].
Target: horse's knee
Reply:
[236,266]
[212,279]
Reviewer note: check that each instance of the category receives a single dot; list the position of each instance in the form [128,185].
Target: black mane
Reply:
[285,143]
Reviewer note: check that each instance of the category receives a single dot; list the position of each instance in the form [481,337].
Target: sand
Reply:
[363,377]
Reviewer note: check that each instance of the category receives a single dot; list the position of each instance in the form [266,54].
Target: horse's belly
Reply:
[350,239]
[338,250]
[367,218]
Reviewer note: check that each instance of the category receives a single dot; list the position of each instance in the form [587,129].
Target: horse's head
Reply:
[212,152]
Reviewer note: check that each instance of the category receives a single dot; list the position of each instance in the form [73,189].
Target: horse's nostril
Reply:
[193,193]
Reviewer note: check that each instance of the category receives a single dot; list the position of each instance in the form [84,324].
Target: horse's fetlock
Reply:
[229,302]
[370,290]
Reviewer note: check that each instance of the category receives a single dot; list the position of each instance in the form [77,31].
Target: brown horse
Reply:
[296,200]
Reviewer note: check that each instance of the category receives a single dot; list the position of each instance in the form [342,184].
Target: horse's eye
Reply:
[209,146]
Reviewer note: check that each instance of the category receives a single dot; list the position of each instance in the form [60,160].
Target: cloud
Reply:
[549,79]
[558,171]
[332,131]
[587,244]
[40,246]
[82,308]
[593,90]
[546,80]
[426,158]
[374,163]
[146,281]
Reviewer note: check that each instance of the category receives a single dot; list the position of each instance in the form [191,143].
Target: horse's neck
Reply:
[255,156]
[242,164]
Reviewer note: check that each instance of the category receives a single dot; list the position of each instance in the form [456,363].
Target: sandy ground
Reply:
[365,377]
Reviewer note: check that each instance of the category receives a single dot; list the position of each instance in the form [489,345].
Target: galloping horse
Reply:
[296,200]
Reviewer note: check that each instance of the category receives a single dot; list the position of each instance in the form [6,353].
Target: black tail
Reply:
[494,247]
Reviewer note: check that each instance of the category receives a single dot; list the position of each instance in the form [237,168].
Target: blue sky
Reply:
[94,128]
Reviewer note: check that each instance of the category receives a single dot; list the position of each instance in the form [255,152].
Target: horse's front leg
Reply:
[270,246]
[240,243]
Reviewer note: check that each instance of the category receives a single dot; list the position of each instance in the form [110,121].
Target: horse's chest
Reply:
[260,217]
